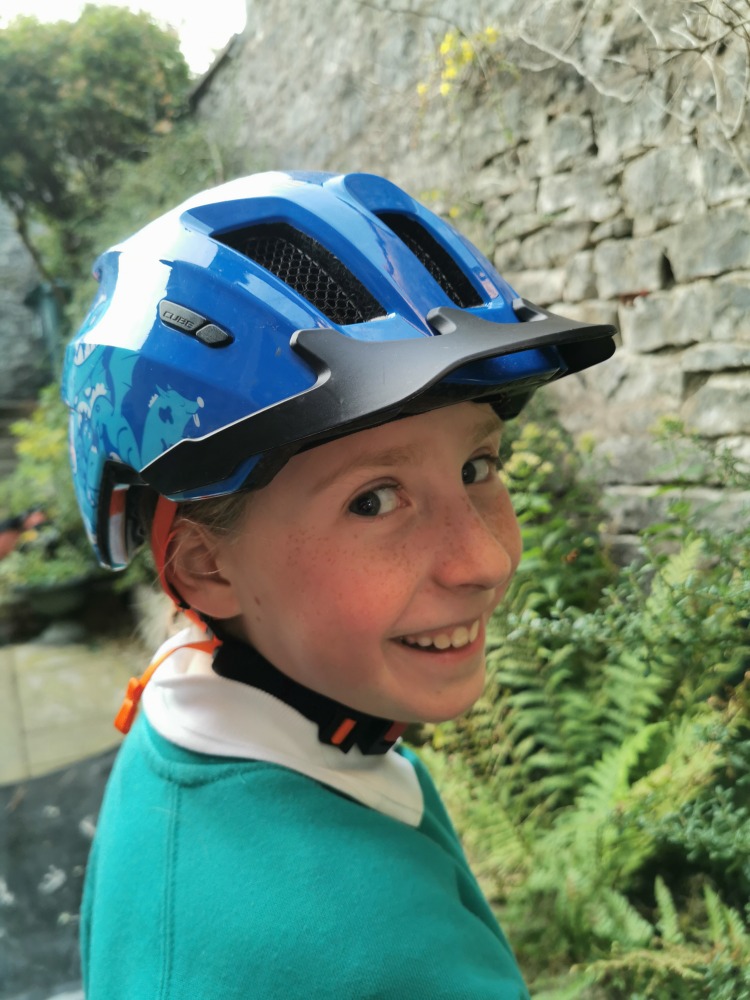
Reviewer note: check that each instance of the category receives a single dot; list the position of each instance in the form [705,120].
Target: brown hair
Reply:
[221,515]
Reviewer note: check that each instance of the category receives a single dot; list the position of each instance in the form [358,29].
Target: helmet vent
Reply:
[434,257]
[306,266]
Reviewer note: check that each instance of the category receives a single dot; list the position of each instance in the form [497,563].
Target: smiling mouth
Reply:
[455,638]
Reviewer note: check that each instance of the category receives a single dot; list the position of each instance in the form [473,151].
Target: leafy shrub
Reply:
[601,784]
[42,479]
[176,166]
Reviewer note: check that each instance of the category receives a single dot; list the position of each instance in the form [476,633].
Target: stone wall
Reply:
[25,364]
[598,152]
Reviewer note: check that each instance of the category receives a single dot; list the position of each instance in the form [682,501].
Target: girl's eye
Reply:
[479,470]
[381,500]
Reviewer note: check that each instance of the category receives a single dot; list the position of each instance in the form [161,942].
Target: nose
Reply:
[476,548]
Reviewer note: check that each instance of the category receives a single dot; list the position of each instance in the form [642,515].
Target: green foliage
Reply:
[74,99]
[58,552]
[42,475]
[176,166]
[564,560]
[601,785]
[76,96]
[91,145]
[42,479]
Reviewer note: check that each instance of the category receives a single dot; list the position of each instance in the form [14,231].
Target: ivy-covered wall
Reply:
[597,152]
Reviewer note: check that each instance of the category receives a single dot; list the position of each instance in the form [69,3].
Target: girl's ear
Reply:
[192,569]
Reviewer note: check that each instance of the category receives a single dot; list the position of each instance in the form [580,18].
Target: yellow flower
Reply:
[522,462]
[447,43]
[450,72]
[532,431]
[445,89]
[491,34]
[454,211]
[586,442]
[421,89]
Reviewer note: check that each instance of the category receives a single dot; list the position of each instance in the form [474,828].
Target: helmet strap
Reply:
[338,725]
[162,533]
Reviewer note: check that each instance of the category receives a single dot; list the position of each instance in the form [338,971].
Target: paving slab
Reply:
[66,744]
[57,703]
[13,755]
[57,744]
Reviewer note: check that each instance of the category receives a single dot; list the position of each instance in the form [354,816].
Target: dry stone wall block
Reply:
[731,307]
[716,358]
[661,186]
[629,267]
[630,507]
[710,244]
[625,459]
[625,129]
[580,280]
[721,406]
[674,318]
[586,193]
[542,287]
[554,245]
[559,146]
[724,178]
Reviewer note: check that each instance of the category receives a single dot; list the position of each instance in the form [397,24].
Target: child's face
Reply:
[366,556]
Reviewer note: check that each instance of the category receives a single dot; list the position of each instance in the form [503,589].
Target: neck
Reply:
[338,725]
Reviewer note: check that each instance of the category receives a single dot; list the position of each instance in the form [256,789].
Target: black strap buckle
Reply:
[371,734]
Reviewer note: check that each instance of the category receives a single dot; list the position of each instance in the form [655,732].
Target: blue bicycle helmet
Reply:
[276,312]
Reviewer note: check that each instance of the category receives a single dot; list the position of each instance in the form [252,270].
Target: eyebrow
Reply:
[403,455]
[491,425]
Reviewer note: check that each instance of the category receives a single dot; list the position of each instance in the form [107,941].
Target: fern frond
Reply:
[739,937]
[609,777]
[668,922]
[717,926]
[690,764]
[677,570]
[727,928]
[616,919]
[683,962]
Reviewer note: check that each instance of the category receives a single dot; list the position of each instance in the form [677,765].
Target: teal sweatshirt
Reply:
[213,877]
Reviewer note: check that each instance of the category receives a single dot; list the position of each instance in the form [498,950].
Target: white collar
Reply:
[191,706]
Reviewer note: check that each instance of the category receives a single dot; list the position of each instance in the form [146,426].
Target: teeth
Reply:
[460,636]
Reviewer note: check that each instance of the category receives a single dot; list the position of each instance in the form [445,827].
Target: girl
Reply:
[294,385]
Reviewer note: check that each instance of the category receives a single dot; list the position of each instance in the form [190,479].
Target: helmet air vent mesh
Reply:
[434,257]
[306,266]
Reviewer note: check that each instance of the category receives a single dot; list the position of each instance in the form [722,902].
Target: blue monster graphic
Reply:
[111,422]
[169,413]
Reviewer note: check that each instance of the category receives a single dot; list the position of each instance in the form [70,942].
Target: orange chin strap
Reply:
[161,535]
[129,708]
